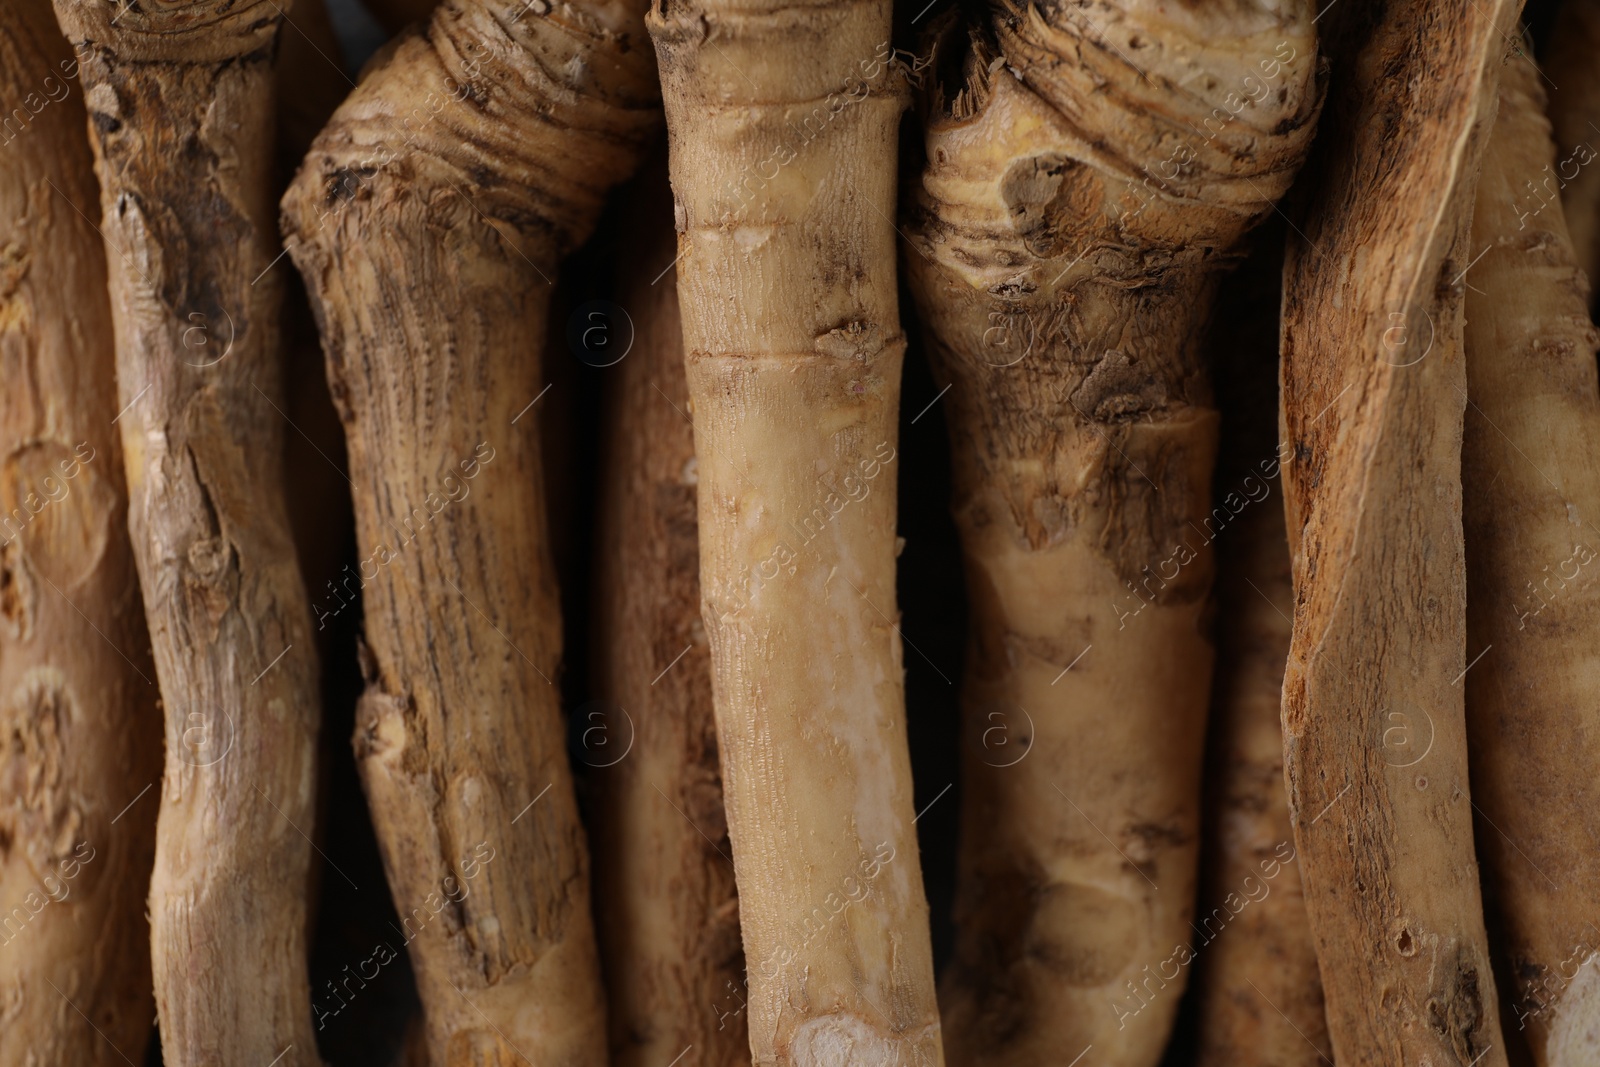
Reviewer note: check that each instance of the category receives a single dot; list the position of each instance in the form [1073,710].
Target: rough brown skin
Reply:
[1373,277]
[1259,998]
[1065,238]
[1531,485]
[181,115]
[782,123]
[80,733]
[426,221]
[663,873]
[1574,66]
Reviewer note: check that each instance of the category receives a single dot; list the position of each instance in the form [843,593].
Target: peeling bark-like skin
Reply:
[1064,243]
[784,200]
[663,876]
[1373,386]
[80,733]
[1259,998]
[1531,485]
[426,221]
[1574,66]
[181,103]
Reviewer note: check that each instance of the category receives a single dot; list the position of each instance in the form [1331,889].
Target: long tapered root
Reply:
[782,124]
[1532,598]
[181,110]
[450,184]
[1064,241]
[675,974]
[1373,386]
[80,731]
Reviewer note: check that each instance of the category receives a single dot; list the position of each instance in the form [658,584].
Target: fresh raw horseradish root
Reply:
[1373,391]
[1531,483]
[427,221]
[783,124]
[663,871]
[1065,239]
[181,108]
[1573,176]
[1258,995]
[80,733]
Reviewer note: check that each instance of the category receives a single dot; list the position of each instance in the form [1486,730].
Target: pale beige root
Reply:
[1531,483]
[782,124]
[181,117]
[663,872]
[1575,1030]
[1373,391]
[80,734]
[1064,242]
[1258,996]
[427,220]
[1574,174]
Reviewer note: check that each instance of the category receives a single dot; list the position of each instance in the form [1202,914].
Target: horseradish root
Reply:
[1373,391]
[717,508]
[1065,240]
[663,874]
[427,221]
[1258,994]
[80,733]
[782,124]
[181,104]
[1531,483]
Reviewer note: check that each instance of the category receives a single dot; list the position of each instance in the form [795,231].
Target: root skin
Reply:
[181,107]
[1373,387]
[782,124]
[1259,997]
[1575,1032]
[1064,244]
[427,221]
[663,873]
[1532,599]
[80,730]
